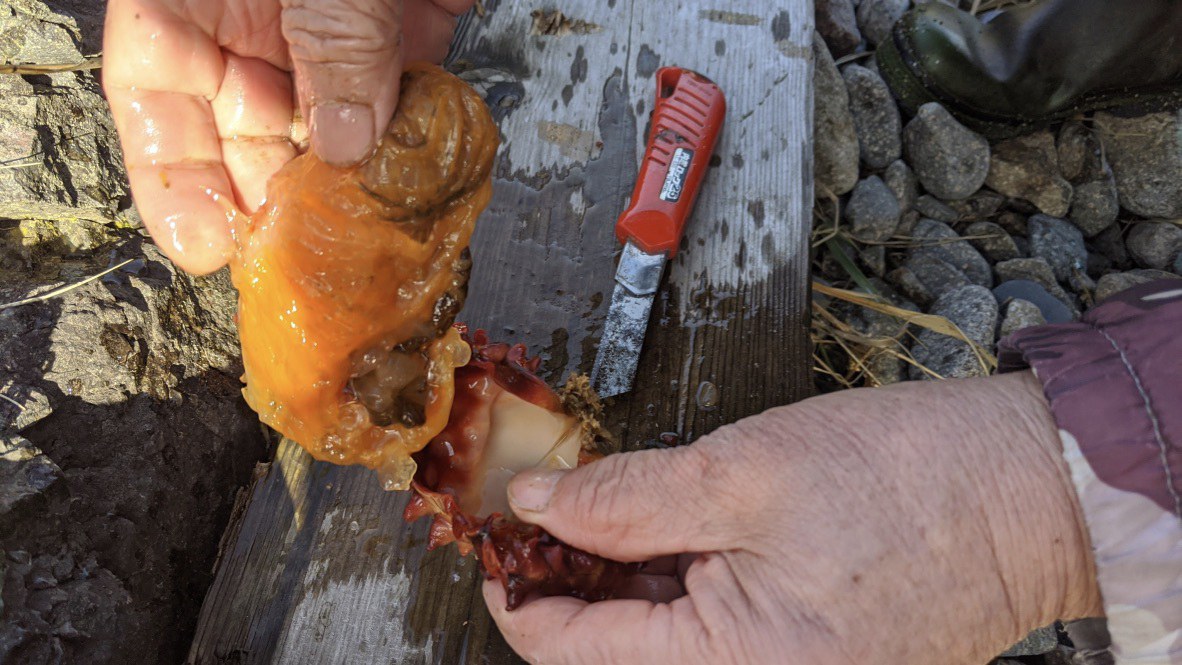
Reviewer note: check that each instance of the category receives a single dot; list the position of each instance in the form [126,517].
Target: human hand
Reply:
[920,523]
[201,93]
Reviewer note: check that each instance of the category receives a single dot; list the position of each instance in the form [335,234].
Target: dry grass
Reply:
[34,69]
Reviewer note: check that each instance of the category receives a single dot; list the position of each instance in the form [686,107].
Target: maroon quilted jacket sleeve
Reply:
[1114,382]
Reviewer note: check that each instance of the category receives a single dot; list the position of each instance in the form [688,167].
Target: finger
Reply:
[347,58]
[567,630]
[159,74]
[642,505]
[253,114]
[432,26]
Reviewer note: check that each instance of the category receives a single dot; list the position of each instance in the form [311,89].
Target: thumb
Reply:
[638,506]
[347,57]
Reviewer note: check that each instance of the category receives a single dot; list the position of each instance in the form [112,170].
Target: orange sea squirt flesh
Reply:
[349,281]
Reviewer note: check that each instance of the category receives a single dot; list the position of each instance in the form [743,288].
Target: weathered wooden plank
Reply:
[320,567]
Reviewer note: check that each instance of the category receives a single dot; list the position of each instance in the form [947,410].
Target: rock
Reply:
[835,144]
[836,23]
[1078,152]
[1177,267]
[974,310]
[950,160]
[1095,205]
[1027,168]
[877,17]
[24,472]
[901,180]
[1021,314]
[1115,282]
[1059,243]
[933,208]
[992,241]
[1098,265]
[1037,270]
[1146,157]
[874,258]
[1111,243]
[876,117]
[925,278]
[71,167]
[147,424]
[32,33]
[907,222]
[1023,245]
[982,205]
[873,211]
[1050,308]
[938,240]
[1155,244]
[1039,641]
[1013,222]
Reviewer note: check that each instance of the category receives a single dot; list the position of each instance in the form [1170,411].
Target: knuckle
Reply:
[346,31]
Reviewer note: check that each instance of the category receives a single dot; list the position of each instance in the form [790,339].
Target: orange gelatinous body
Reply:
[349,281]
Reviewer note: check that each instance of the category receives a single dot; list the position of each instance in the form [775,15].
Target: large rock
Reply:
[938,240]
[836,23]
[32,33]
[877,17]
[1115,282]
[1146,156]
[61,156]
[137,440]
[1155,244]
[1060,244]
[950,160]
[873,211]
[924,278]
[835,144]
[1027,168]
[876,117]
[974,310]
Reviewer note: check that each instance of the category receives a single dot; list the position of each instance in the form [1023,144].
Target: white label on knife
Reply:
[675,176]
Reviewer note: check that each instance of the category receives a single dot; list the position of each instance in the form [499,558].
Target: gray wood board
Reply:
[318,566]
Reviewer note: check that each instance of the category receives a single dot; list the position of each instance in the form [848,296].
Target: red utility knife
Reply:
[686,122]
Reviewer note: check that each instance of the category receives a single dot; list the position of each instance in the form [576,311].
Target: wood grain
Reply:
[319,566]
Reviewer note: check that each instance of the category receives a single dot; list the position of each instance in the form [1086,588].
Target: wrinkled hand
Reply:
[922,523]
[201,93]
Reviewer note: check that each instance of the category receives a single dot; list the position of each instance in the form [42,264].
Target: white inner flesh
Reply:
[522,436]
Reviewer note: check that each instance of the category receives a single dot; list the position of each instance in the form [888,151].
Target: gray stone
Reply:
[925,278]
[876,117]
[1039,641]
[1155,244]
[872,211]
[1059,243]
[907,222]
[1095,205]
[1115,282]
[982,205]
[1078,152]
[1037,270]
[1050,308]
[835,144]
[1027,168]
[1177,267]
[902,181]
[874,258]
[32,33]
[1013,222]
[1023,245]
[1146,156]
[837,24]
[938,240]
[974,310]
[63,164]
[1098,265]
[1020,314]
[950,160]
[24,472]
[877,17]
[933,208]
[1111,243]
[992,241]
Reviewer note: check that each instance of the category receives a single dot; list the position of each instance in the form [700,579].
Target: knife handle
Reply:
[687,119]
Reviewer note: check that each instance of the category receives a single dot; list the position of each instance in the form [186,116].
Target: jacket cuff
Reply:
[1114,383]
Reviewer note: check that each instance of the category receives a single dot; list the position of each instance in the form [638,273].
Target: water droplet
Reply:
[708,396]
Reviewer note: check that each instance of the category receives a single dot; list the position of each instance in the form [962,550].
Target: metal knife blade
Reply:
[637,277]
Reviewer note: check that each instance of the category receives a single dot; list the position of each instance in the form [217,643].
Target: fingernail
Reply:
[530,491]
[342,133]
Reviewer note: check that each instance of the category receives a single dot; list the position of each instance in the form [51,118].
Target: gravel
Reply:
[975,311]
[938,240]
[1115,282]
[1027,168]
[877,17]
[924,278]
[902,181]
[1095,205]
[876,117]
[835,144]
[1050,308]
[873,211]
[933,208]
[1111,244]
[1059,243]
[950,161]
[1155,244]
[1146,157]
[1020,314]
[1036,270]
[837,24]
[992,241]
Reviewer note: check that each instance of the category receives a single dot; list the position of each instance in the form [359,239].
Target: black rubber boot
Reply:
[1031,65]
